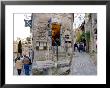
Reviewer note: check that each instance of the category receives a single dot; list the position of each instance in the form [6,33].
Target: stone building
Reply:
[91,27]
[40,30]
[94,37]
[26,49]
[94,31]
[41,39]
[26,46]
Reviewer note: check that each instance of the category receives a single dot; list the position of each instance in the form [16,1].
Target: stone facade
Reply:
[42,42]
[91,26]
[39,35]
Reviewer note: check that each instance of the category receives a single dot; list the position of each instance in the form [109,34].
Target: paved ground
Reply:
[82,65]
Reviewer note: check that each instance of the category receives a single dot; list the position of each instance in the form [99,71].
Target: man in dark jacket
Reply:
[80,47]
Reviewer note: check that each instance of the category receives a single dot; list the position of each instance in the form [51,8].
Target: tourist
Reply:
[26,65]
[19,65]
[80,47]
[75,46]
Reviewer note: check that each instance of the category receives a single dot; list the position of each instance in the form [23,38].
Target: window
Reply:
[41,43]
[37,43]
[45,44]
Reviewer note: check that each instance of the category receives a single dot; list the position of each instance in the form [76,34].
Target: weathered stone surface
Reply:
[40,36]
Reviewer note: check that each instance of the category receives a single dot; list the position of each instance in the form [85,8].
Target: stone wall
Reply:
[91,25]
[39,28]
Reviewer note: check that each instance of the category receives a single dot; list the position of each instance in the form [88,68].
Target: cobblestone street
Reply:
[82,65]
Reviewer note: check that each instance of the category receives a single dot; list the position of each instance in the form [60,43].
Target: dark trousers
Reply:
[26,67]
[19,71]
[80,49]
[74,48]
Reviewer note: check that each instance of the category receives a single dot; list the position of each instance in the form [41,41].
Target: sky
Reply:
[78,19]
[19,27]
[22,32]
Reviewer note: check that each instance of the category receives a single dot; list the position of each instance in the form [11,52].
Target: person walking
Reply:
[84,47]
[19,65]
[80,47]
[75,46]
[26,65]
